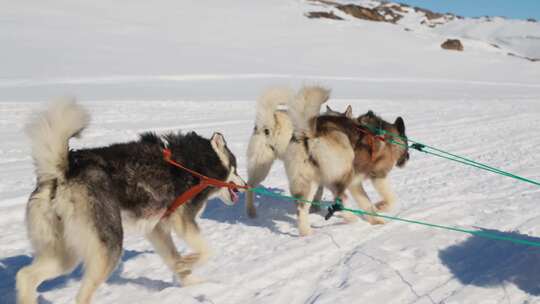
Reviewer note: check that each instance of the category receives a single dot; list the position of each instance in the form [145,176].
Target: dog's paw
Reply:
[305,231]
[375,220]
[185,263]
[191,279]
[348,217]
[382,206]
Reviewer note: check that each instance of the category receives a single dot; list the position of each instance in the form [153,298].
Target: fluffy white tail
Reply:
[267,104]
[49,134]
[305,107]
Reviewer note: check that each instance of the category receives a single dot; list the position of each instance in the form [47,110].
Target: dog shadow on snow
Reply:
[270,212]
[490,263]
[11,265]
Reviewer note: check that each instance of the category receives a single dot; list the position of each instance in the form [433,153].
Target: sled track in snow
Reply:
[263,261]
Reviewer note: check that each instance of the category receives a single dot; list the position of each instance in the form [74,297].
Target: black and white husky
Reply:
[271,136]
[83,198]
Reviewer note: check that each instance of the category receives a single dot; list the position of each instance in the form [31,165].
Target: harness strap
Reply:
[186,196]
[204,183]
[371,140]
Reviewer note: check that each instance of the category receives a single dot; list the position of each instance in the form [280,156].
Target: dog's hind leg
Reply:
[304,227]
[317,198]
[99,261]
[260,160]
[382,185]
[44,267]
[360,196]
[51,257]
[96,233]
[338,189]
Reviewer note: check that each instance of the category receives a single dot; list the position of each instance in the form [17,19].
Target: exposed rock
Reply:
[389,13]
[429,14]
[327,2]
[452,44]
[532,20]
[397,7]
[361,12]
[382,13]
[426,23]
[327,15]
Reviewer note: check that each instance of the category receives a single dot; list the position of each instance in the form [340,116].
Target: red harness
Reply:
[371,140]
[204,183]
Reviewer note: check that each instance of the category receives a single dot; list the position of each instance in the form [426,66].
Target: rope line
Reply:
[421,147]
[483,234]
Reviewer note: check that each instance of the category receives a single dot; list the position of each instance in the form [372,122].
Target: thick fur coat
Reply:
[339,153]
[84,199]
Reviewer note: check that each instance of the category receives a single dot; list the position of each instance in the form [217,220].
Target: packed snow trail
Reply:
[264,261]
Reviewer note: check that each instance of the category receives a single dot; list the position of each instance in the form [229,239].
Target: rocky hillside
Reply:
[519,38]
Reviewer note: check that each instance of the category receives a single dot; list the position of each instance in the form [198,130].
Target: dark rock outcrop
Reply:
[324,15]
[452,44]
[430,15]
[361,12]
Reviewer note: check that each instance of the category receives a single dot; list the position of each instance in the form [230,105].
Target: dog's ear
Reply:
[218,141]
[348,112]
[400,125]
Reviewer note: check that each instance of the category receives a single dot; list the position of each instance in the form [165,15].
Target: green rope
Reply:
[473,232]
[431,151]
[266,192]
[493,236]
[449,156]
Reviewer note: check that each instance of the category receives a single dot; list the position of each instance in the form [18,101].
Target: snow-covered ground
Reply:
[198,66]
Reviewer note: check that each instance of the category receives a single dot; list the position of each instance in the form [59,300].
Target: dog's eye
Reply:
[266,132]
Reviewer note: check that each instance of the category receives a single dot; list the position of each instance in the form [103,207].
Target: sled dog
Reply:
[83,197]
[338,153]
[271,136]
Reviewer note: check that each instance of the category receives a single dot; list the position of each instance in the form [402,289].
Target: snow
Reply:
[515,36]
[195,65]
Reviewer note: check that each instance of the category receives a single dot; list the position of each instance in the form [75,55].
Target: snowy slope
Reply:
[136,49]
[494,34]
[515,36]
[199,66]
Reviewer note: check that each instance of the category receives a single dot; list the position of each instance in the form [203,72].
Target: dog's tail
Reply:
[49,134]
[268,103]
[305,107]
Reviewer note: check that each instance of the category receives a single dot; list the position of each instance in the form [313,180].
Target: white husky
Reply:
[271,137]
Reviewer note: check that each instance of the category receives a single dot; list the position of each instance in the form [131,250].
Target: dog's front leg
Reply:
[160,238]
[188,230]
[382,185]
[260,160]
[304,228]
[362,199]
[193,238]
